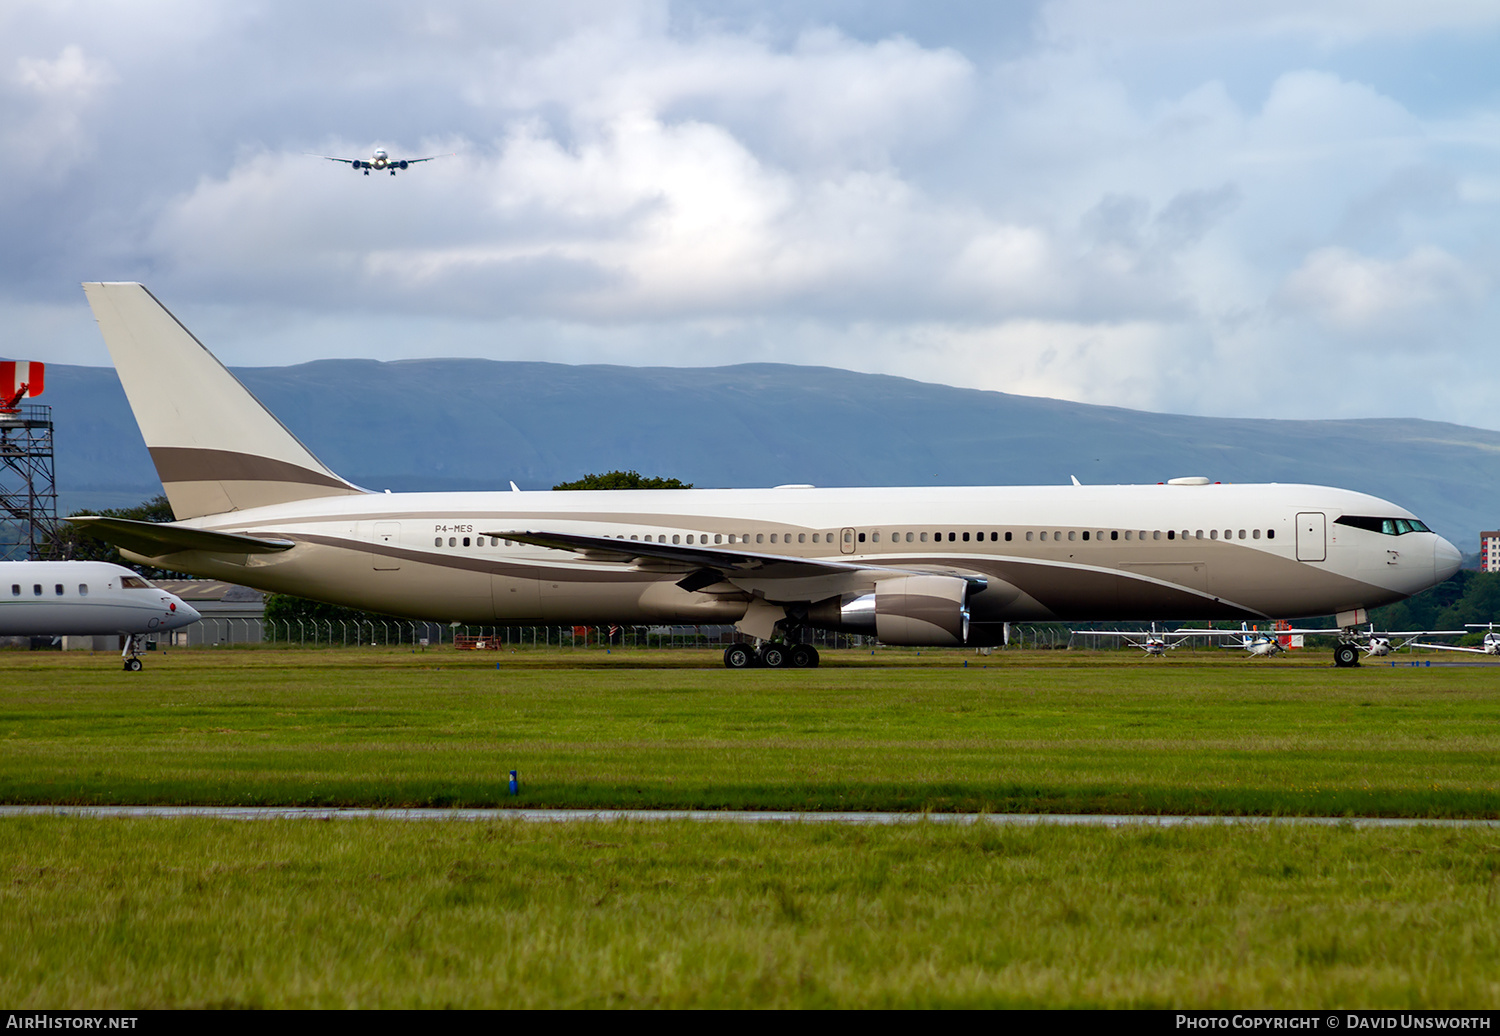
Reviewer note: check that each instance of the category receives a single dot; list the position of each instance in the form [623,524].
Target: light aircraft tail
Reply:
[215,446]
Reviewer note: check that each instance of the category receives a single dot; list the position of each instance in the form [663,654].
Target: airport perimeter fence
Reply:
[224,631]
[406,633]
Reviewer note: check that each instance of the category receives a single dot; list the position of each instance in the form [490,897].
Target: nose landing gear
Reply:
[131,655]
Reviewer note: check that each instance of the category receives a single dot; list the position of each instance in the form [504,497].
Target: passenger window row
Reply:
[902,536]
[57,590]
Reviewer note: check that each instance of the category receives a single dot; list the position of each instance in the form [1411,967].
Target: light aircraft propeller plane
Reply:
[1266,644]
[1153,644]
[57,598]
[381,161]
[918,566]
[1489,646]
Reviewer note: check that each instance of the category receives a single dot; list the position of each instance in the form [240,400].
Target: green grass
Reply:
[1043,732]
[379,913]
[101,913]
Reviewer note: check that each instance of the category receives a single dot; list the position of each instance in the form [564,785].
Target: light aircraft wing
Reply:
[1146,641]
[1453,647]
[778,577]
[155,539]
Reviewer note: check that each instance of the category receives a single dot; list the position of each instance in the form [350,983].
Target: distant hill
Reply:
[477,424]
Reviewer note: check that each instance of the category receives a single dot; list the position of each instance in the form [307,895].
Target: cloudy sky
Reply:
[1282,209]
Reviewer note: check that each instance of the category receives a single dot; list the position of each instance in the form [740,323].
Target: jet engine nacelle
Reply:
[401,164]
[910,611]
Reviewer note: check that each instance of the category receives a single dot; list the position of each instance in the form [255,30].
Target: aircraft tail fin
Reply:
[215,446]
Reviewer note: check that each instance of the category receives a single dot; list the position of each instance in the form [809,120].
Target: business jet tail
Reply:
[215,446]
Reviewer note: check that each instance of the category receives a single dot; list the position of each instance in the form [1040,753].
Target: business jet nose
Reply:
[1445,559]
[181,614]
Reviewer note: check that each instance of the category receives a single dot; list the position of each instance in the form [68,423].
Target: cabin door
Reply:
[846,541]
[383,549]
[1312,527]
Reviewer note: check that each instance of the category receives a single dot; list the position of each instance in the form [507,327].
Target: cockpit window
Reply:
[133,583]
[1387,526]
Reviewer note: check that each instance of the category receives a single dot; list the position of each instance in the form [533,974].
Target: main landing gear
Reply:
[1346,655]
[770,655]
[132,653]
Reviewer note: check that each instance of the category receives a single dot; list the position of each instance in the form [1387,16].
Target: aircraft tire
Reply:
[803,656]
[132,665]
[738,656]
[774,656]
[1345,656]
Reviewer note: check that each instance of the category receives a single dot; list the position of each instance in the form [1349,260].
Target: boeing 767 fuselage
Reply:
[914,566]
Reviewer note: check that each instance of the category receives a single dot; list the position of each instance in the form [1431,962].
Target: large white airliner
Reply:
[60,598]
[381,161]
[917,566]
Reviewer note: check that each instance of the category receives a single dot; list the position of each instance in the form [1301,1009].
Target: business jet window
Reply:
[83,589]
[58,589]
[15,589]
[466,541]
[36,589]
[1255,534]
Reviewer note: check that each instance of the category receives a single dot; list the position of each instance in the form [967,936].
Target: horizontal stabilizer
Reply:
[156,539]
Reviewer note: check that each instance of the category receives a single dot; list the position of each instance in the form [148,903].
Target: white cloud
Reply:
[1324,21]
[1111,208]
[1356,294]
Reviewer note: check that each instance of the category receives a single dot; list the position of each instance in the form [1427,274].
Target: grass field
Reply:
[1052,732]
[177,913]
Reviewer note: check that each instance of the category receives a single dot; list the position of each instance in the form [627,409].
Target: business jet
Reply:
[381,161]
[916,566]
[57,598]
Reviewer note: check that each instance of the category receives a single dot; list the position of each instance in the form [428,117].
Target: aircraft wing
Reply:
[778,577]
[1451,647]
[346,161]
[156,539]
[429,158]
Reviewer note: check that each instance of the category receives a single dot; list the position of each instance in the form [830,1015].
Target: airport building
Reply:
[1489,551]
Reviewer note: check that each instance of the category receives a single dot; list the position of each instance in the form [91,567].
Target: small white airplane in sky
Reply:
[382,161]
[55,598]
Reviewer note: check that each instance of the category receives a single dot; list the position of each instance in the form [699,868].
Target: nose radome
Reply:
[184,614]
[1445,559]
